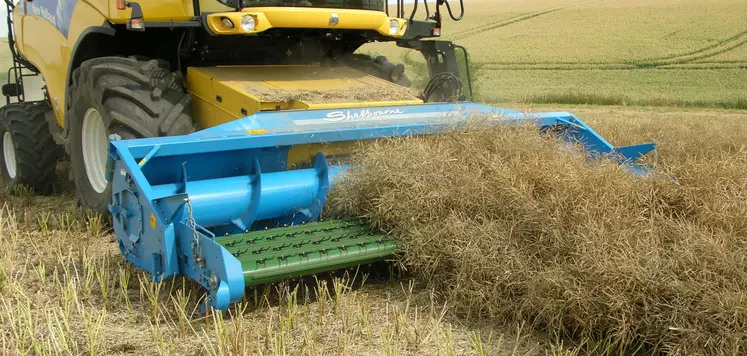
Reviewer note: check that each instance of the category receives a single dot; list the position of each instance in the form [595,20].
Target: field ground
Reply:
[6,60]
[639,53]
[64,287]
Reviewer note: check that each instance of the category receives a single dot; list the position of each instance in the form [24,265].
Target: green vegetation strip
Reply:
[293,251]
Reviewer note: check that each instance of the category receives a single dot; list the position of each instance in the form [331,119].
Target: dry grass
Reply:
[508,226]
[65,289]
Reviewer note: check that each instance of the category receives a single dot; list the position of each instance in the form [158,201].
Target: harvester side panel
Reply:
[48,45]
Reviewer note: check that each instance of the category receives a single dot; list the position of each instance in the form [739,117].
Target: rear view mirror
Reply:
[12,89]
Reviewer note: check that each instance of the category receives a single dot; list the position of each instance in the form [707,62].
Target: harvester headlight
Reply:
[248,23]
[393,27]
[227,22]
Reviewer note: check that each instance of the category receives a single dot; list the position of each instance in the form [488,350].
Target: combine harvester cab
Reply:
[226,206]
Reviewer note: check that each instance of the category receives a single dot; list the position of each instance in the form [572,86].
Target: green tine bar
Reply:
[294,251]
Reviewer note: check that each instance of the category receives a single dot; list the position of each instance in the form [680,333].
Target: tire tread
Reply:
[36,151]
[122,90]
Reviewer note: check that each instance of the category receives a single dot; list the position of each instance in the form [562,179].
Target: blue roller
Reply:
[181,204]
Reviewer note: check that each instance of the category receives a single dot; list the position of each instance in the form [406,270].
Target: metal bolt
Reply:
[213,281]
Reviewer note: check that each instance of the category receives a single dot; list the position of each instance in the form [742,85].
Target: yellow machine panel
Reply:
[51,52]
[154,11]
[222,94]
[307,17]
[210,6]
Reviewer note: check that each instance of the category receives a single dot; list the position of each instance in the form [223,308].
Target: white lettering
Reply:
[43,12]
[347,115]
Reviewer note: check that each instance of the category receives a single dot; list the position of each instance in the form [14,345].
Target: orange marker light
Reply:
[137,24]
[121,5]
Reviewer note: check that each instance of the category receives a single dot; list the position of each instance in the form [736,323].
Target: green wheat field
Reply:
[688,53]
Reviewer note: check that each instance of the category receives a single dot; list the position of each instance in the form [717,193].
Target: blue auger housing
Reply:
[201,205]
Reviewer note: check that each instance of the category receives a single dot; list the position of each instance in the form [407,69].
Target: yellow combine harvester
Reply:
[205,128]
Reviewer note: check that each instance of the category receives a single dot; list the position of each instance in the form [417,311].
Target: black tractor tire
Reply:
[380,67]
[135,98]
[34,150]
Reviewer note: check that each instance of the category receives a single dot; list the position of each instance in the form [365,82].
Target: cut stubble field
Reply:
[65,289]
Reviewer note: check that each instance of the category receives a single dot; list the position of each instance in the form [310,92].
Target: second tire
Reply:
[124,98]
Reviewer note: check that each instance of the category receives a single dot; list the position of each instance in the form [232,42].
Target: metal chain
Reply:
[193,225]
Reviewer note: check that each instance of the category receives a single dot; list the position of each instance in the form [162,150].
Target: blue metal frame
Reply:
[234,177]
